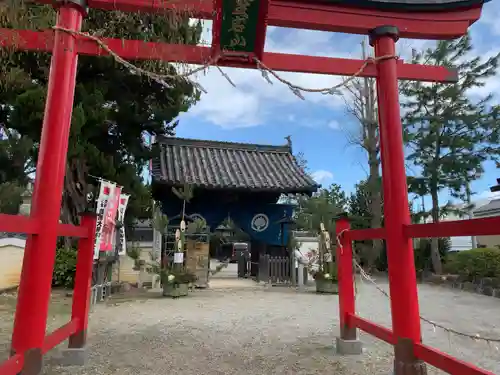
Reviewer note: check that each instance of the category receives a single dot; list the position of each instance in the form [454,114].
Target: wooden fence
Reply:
[275,270]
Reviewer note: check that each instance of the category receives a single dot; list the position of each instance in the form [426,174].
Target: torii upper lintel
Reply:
[417,19]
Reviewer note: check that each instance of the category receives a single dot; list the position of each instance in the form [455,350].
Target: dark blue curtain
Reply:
[259,221]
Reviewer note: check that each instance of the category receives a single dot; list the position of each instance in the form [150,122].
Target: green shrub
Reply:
[474,264]
[422,254]
[64,268]
[423,260]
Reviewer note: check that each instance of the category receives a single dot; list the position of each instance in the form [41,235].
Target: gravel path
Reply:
[275,331]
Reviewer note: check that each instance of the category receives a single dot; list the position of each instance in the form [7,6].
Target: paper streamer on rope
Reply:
[178,258]
[157,238]
[157,242]
[122,239]
[105,191]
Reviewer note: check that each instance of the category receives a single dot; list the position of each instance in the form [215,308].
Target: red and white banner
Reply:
[108,237]
[108,203]
[105,190]
[122,239]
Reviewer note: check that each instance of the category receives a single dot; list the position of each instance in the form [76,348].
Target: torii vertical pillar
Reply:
[402,276]
[36,276]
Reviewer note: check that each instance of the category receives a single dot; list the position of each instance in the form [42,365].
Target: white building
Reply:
[457,243]
[488,210]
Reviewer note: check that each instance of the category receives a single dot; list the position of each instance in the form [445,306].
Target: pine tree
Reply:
[361,213]
[114,108]
[449,132]
[15,167]
[322,207]
[359,206]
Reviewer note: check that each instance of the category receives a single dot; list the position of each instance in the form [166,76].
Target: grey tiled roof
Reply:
[490,208]
[224,165]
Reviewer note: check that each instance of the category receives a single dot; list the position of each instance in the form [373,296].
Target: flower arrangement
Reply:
[326,275]
[177,277]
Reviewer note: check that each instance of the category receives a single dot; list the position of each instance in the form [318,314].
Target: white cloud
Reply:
[335,125]
[322,176]
[253,99]
[225,105]
[489,17]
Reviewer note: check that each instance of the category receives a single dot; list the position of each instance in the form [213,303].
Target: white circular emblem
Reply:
[260,222]
[197,217]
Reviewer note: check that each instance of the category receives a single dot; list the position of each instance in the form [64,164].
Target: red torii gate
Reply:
[383,21]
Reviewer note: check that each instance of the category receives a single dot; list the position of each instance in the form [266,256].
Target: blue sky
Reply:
[256,112]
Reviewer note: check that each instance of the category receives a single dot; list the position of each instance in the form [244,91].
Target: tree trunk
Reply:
[372,148]
[435,256]
[375,204]
[66,218]
[375,209]
[74,195]
[364,108]
[469,209]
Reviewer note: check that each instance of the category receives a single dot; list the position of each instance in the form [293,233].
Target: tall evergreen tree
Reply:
[360,210]
[15,167]
[449,131]
[323,207]
[359,206]
[114,107]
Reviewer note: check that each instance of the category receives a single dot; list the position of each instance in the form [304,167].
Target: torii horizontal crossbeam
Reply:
[139,50]
[322,16]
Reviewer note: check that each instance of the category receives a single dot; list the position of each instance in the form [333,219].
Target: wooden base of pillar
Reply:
[33,362]
[405,362]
